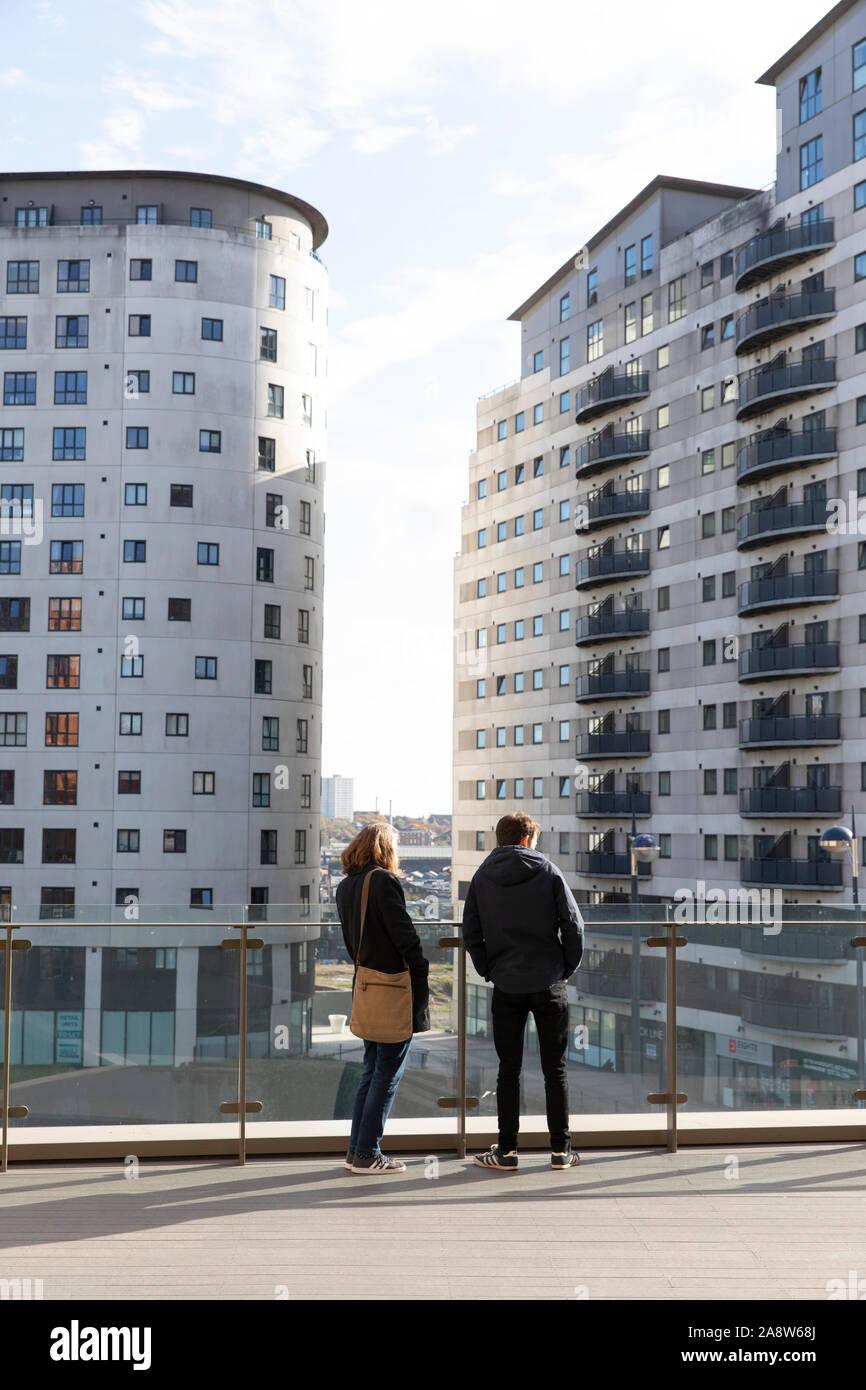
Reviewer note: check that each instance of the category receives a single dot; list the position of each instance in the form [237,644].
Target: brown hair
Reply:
[375,844]
[514,828]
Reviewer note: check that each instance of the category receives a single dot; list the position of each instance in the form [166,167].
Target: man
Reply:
[523,931]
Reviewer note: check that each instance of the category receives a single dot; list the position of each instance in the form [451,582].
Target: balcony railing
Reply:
[772,251]
[633,743]
[765,388]
[792,873]
[599,453]
[610,685]
[776,523]
[790,801]
[613,803]
[767,731]
[783,590]
[607,391]
[601,984]
[606,569]
[767,662]
[793,1018]
[608,864]
[612,506]
[761,458]
[602,627]
[782,315]
[821,943]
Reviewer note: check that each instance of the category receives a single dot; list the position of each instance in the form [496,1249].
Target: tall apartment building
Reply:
[338,797]
[162,431]
[657,610]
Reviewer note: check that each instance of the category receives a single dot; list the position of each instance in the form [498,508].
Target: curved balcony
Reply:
[616,804]
[607,391]
[607,569]
[603,985]
[801,658]
[813,944]
[780,316]
[599,453]
[794,1018]
[608,864]
[792,873]
[609,507]
[622,743]
[765,388]
[612,685]
[790,801]
[607,627]
[788,590]
[761,458]
[774,250]
[781,523]
[788,731]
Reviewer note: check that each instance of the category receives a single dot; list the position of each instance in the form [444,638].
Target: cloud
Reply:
[377,139]
[121,139]
[147,92]
[48,15]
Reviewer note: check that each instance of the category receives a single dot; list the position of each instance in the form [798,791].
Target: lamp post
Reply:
[840,840]
[642,849]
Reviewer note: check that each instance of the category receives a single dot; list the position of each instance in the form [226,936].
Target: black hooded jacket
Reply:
[390,937]
[521,924]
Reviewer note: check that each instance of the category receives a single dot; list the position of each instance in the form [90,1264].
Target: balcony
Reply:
[612,685]
[790,801]
[801,658]
[601,984]
[780,316]
[782,523]
[607,391]
[617,804]
[829,943]
[607,569]
[787,731]
[605,627]
[794,1018]
[605,449]
[787,590]
[792,873]
[608,507]
[761,458]
[772,251]
[608,864]
[621,743]
[765,388]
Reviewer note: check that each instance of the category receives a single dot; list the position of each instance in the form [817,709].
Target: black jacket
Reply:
[390,937]
[521,924]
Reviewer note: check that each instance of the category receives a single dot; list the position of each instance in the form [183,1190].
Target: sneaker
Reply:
[378,1166]
[569,1159]
[349,1160]
[495,1158]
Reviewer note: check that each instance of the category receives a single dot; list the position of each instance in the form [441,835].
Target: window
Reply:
[58,847]
[68,444]
[141,270]
[276,292]
[709,652]
[664,784]
[13,333]
[180,495]
[711,846]
[729,519]
[307,691]
[630,322]
[71,330]
[134,552]
[630,265]
[537,733]
[261,789]
[67,499]
[646,255]
[708,336]
[664,598]
[212,330]
[502,429]
[594,340]
[91,216]
[210,441]
[61,730]
[708,525]
[677,299]
[564,408]
[501,481]
[186,272]
[16,502]
[62,672]
[537,788]
[729,782]
[264,565]
[13,730]
[664,658]
[480,790]
[73,277]
[538,519]
[707,273]
[537,414]
[810,95]
[482,489]
[564,357]
[200,217]
[538,680]
[132,667]
[664,721]
[263,677]
[565,620]
[263,229]
[537,572]
[179,610]
[305,518]
[564,565]
[538,626]
[208,553]
[537,361]
[183,383]
[200,897]
[812,159]
[663,538]
[268,344]
[860,266]
[519,683]
[136,384]
[591,288]
[663,417]
[861,410]
[306,410]
[132,609]
[708,398]
[309,573]
[147,214]
[273,620]
[70,388]
[303,626]
[130,724]
[709,716]
[22,277]
[519,422]
[564,308]
[66,557]
[129,783]
[275,401]
[708,589]
[859,58]
[205,668]
[10,557]
[8,672]
[729,584]
[267,454]
[64,615]
[708,461]
[139,325]
[501,530]
[19,388]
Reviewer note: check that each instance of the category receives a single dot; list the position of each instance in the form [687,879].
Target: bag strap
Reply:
[365,898]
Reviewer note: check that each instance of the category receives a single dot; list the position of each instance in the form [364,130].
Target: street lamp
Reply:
[643,849]
[840,840]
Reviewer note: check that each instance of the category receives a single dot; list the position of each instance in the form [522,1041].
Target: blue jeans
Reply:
[383,1067]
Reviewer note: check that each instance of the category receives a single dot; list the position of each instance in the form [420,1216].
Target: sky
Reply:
[460,153]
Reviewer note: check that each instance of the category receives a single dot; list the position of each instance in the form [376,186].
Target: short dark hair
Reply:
[516,827]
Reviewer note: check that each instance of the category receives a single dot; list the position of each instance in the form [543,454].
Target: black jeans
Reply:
[549,1008]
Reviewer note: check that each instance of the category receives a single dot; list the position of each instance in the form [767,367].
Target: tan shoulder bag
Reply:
[381,1003]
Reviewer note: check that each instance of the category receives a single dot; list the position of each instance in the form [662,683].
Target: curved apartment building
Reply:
[162,433]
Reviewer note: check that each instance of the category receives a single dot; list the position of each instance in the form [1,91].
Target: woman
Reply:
[389,940]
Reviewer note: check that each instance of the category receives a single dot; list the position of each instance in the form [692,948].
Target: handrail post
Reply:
[14,1112]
